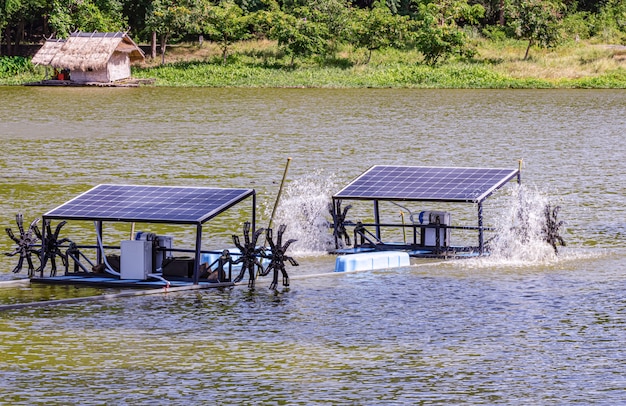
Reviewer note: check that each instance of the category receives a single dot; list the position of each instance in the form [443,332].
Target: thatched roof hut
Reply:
[91,57]
[48,51]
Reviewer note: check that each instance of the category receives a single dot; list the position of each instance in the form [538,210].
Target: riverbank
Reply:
[497,65]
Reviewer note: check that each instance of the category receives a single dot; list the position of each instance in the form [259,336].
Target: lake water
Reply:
[517,328]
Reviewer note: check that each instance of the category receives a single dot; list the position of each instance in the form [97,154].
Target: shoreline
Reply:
[499,65]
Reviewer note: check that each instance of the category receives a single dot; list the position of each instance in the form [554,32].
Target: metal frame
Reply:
[438,250]
[99,221]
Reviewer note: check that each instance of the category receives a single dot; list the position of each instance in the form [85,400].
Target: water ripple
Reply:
[487,331]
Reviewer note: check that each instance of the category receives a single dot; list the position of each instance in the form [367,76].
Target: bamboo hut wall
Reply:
[90,75]
[119,66]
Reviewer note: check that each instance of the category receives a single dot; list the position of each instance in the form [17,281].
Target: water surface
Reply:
[521,331]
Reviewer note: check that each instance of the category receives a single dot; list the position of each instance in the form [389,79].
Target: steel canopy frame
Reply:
[422,183]
[152,204]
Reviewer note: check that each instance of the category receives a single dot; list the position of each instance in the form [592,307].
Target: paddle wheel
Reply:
[51,247]
[250,254]
[25,244]
[277,256]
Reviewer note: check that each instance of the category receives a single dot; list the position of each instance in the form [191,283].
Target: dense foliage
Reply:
[439,29]
[13,65]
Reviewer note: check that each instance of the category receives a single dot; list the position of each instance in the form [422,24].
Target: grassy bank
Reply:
[497,65]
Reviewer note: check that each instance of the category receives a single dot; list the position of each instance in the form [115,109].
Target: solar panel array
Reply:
[386,182]
[150,203]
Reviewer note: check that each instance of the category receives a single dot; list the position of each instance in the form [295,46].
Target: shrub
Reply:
[495,33]
[576,26]
[14,65]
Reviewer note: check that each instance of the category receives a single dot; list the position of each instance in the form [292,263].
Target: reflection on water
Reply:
[402,336]
[34,293]
[481,331]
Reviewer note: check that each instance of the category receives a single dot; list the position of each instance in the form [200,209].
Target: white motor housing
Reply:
[430,234]
[135,259]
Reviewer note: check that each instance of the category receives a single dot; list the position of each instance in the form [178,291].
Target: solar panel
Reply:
[150,203]
[384,182]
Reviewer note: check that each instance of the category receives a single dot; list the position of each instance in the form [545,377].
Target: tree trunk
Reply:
[530,43]
[46,27]
[153,45]
[19,35]
[7,38]
[163,47]
[501,13]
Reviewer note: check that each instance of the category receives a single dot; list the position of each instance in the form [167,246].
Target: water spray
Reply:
[528,230]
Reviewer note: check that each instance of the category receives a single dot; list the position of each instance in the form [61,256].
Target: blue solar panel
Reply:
[150,203]
[386,182]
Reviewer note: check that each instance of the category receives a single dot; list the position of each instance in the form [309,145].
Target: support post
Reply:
[335,225]
[253,211]
[196,263]
[42,254]
[377,219]
[481,237]
[99,259]
[437,236]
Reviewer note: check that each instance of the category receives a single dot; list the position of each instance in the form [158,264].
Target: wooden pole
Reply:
[403,229]
[280,191]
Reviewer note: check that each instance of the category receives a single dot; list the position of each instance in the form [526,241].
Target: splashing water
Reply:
[520,235]
[304,210]
[519,222]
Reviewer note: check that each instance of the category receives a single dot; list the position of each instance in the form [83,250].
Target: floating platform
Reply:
[366,261]
[427,253]
[118,83]
[105,281]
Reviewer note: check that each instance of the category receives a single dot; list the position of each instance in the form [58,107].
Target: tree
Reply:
[60,19]
[136,12]
[335,15]
[8,9]
[494,11]
[610,22]
[438,32]
[169,17]
[297,35]
[378,28]
[535,21]
[85,15]
[250,6]
[225,24]
[99,15]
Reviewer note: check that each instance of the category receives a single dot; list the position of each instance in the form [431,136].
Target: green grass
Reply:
[453,75]
[497,65]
